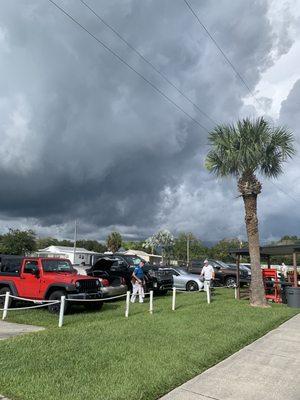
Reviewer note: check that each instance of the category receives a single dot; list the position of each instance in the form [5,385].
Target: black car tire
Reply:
[94,306]
[192,286]
[162,292]
[3,290]
[54,308]
[230,281]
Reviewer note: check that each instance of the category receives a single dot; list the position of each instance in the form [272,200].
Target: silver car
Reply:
[185,281]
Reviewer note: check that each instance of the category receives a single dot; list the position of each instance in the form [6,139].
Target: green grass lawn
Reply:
[102,355]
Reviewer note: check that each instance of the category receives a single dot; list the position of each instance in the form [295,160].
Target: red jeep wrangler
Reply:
[47,279]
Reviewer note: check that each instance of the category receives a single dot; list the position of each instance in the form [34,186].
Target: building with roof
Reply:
[151,258]
[81,254]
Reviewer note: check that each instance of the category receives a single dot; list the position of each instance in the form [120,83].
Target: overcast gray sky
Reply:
[82,136]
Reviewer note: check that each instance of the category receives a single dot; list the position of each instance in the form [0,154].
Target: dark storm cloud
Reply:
[83,136]
[290,109]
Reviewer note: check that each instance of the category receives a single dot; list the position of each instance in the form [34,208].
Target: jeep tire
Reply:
[54,308]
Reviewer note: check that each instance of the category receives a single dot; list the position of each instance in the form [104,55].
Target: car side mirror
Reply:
[217,267]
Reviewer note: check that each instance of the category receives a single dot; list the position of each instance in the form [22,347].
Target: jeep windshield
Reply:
[57,266]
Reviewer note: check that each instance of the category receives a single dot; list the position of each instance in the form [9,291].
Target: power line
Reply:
[237,73]
[147,61]
[222,52]
[128,65]
[284,192]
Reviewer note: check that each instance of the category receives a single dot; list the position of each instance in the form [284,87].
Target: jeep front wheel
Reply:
[54,308]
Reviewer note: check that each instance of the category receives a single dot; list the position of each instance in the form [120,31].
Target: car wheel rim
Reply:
[230,283]
[192,287]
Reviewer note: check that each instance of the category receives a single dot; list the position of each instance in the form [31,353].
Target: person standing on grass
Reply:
[138,279]
[284,270]
[208,274]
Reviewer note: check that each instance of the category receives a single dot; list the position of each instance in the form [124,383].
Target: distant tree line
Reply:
[20,242]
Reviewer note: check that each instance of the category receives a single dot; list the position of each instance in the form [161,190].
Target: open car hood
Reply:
[104,264]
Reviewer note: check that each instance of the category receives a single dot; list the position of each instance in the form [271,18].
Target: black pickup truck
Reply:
[159,280]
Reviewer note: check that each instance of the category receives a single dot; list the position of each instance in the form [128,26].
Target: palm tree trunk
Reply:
[257,292]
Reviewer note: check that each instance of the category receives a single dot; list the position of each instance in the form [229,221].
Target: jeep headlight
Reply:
[77,285]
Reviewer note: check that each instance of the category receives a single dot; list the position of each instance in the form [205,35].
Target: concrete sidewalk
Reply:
[9,329]
[268,369]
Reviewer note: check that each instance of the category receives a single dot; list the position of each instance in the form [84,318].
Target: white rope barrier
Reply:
[127,304]
[29,308]
[61,311]
[174,299]
[34,301]
[6,301]
[151,302]
[103,299]
[208,293]
[62,301]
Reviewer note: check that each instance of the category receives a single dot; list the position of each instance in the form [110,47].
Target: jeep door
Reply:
[30,280]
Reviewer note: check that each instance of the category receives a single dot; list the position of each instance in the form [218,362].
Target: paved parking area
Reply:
[268,369]
[9,329]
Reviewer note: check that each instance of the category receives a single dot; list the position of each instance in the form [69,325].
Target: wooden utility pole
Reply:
[295,269]
[188,251]
[75,239]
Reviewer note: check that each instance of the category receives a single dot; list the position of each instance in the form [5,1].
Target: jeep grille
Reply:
[88,285]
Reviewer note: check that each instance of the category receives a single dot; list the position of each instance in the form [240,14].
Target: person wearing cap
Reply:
[138,279]
[208,274]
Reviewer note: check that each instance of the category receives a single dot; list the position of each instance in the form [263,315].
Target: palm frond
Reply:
[249,146]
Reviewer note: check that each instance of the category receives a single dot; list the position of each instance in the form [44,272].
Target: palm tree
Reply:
[244,150]
[114,241]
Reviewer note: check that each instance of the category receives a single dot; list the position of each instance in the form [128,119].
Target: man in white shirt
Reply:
[208,274]
[284,270]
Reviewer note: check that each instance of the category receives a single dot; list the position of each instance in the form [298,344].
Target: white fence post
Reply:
[235,292]
[208,293]
[151,302]
[127,304]
[174,299]
[61,311]
[5,305]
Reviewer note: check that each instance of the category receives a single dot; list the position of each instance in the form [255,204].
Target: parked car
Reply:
[184,280]
[242,267]
[159,280]
[225,275]
[109,272]
[40,278]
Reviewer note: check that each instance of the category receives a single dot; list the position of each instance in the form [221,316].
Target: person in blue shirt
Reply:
[138,280]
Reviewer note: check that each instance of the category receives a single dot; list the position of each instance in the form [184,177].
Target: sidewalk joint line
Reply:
[200,394]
